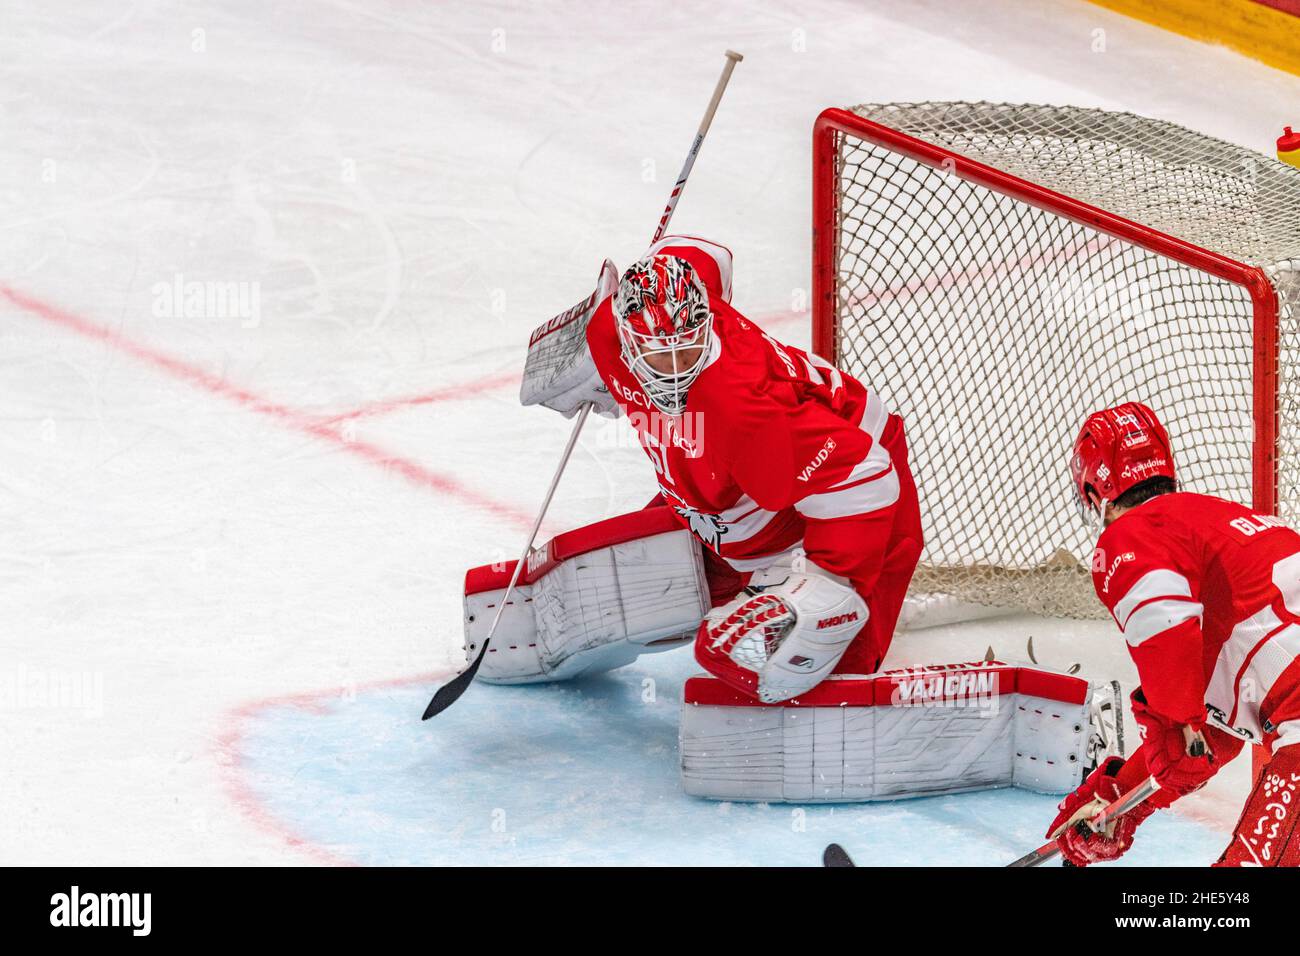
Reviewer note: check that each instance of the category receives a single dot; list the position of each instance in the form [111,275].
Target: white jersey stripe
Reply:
[1257,652]
[1263,668]
[1225,679]
[743,520]
[1288,735]
[1161,583]
[766,560]
[874,465]
[860,499]
[874,417]
[833,375]
[1156,617]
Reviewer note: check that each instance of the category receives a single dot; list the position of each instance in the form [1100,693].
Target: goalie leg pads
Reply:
[784,635]
[945,728]
[589,600]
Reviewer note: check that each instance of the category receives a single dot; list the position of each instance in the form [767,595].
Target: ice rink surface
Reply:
[233,544]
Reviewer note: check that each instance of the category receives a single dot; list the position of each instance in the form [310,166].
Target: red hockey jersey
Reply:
[776,448]
[1207,594]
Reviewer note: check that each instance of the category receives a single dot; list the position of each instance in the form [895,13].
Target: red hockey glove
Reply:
[1079,845]
[1167,747]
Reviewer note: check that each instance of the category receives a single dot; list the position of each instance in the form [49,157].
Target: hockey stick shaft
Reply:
[1123,805]
[732,59]
[537,524]
[451,691]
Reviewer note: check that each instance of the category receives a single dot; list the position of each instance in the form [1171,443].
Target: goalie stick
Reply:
[451,691]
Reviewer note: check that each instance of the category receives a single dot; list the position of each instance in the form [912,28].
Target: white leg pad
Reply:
[590,602]
[888,736]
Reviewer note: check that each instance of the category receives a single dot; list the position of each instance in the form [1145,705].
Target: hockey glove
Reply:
[1079,844]
[1167,750]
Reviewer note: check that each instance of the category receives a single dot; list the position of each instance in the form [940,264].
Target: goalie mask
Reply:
[661,310]
[1117,449]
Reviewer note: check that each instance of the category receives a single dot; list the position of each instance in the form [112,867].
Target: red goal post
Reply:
[1001,270]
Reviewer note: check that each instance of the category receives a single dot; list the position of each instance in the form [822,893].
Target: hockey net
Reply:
[997,272]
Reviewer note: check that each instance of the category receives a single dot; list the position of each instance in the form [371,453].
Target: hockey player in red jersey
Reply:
[1207,595]
[786,528]
[792,474]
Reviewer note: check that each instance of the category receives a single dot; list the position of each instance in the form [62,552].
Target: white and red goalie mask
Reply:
[1117,449]
[661,308]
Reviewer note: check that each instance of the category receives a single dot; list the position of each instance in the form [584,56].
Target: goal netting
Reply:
[997,272]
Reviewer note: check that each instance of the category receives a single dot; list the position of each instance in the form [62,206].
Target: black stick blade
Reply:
[450,692]
[836,855]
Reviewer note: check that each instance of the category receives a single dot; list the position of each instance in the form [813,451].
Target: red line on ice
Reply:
[412,470]
[449,393]
[229,745]
[229,750]
[488,383]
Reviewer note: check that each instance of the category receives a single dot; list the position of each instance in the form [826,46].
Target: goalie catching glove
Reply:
[783,635]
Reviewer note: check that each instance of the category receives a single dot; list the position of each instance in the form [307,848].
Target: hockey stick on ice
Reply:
[1196,747]
[835,855]
[450,692]
[1123,805]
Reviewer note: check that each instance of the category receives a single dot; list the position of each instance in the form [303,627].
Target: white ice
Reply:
[215,528]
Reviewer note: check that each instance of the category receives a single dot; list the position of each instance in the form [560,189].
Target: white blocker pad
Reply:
[905,733]
[589,600]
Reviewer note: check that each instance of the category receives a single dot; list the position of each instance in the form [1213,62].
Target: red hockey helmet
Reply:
[1117,449]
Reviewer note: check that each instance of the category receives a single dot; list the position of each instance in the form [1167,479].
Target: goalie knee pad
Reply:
[590,600]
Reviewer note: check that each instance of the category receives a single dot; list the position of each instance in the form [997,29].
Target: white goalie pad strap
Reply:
[591,600]
[905,733]
[559,372]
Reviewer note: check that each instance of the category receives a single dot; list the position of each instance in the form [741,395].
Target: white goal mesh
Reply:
[956,276]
